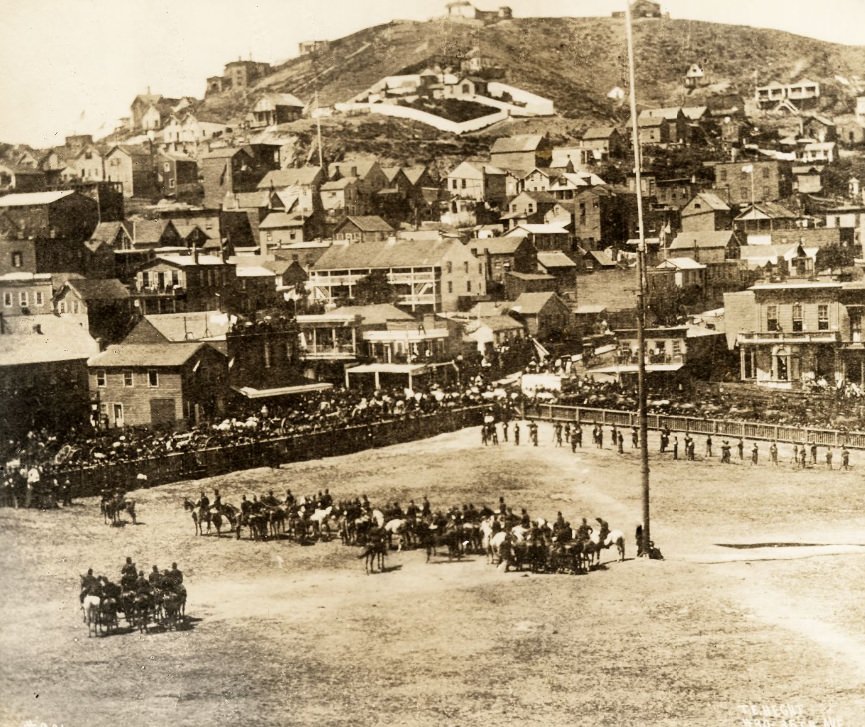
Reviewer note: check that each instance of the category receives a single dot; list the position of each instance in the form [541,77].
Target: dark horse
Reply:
[374,550]
[113,506]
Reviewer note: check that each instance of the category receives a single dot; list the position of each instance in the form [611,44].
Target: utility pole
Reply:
[641,296]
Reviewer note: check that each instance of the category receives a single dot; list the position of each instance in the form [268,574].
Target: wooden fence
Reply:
[86,481]
[699,425]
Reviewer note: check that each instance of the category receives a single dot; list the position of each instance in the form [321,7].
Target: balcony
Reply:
[790,337]
[172,291]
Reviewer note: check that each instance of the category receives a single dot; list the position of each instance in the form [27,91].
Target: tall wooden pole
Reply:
[641,297]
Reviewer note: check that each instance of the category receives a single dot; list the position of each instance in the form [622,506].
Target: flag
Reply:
[231,362]
[748,169]
[291,295]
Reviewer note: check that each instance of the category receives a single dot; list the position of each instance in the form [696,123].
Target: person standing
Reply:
[740,446]
[33,477]
[813,452]
[773,453]
[557,433]
[796,455]
[829,458]
[533,432]
[578,434]
[754,454]
[709,445]
[845,457]
[516,434]
[675,448]
[621,442]
[635,438]
[505,431]
[803,458]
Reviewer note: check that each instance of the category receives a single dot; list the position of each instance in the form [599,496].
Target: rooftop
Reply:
[153,355]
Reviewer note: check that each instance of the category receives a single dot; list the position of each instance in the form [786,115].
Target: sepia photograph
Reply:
[432,363]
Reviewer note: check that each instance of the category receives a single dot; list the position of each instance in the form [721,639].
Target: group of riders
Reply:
[463,530]
[159,596]
[268,516]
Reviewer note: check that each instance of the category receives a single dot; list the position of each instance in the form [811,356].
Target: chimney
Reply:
[195,253]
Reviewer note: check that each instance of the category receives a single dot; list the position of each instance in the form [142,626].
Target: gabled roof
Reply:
[527,229]
[148,232]
[694,113]
[530,276]
[280,220]
[709,200]
[521,142]
[650,121]
[338,184]
[475,166]
[362,166]
[253,271]
[767,210]
[32,199]
[495,245]
[280,178]
[374,315]
[153,355]
[555,259]
[252,200]
[98,289]
[60,340]
[188,260]
[670,113]
[225,152]
[391,173]
[282,99]
[681,263]
[539,196]
[602,258]
[598,132]
[108,231]
[385,254]
[414,173]
[491,308]
[197,326]
[366,223]
[133,150]
[531,303]
[703,240]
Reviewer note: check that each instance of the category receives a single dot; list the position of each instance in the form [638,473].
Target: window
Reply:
[823,317]
[797,317]
[40,298]
[7,299]
[450,267]
[100,377]
[22,298]
[749,360]
[772,318]
[466,267]
[167,166]
[171,183]
[62,307]
[765,172]
[267,354]
[450,286]
[464,183]
[153,378]
[468,286]
[480,269]
[17,259]
[128,378]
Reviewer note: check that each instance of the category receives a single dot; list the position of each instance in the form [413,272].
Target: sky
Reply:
[75,66]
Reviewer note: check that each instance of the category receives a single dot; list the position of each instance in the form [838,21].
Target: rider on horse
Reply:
[89,585]
[605,529]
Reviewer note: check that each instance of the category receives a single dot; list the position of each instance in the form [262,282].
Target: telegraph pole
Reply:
[641,296]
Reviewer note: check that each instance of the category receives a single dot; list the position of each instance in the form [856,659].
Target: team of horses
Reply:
[163,605]
[302,523]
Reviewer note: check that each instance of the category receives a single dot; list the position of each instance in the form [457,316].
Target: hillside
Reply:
[574,61]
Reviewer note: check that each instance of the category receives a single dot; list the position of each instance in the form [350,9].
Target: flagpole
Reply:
[641,297]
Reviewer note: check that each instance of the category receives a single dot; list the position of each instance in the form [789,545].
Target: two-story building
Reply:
[158,384]
[501,255]
[363,228]
[798,331]
[524,151]
[431,275]
[754,181]
[24,293]
[706,212]
[174,283]
[101,306]
[134,166]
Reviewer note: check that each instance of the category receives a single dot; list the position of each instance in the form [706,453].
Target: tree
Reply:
[670,305]
[375,288]
[834,257]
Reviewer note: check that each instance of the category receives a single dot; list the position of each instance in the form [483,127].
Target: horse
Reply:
[112,507]
[431,536]
[374,550]
[142,607]
[90,607]
[189,505]
[614,537]
[396,526]
[318,520]
[172,607]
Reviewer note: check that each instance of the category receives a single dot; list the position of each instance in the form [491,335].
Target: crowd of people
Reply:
[35,467]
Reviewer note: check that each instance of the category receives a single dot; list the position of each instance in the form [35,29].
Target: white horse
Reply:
[90,607]
[614,537]
[396,526]
[495,548]
[319,518]
[519,532]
